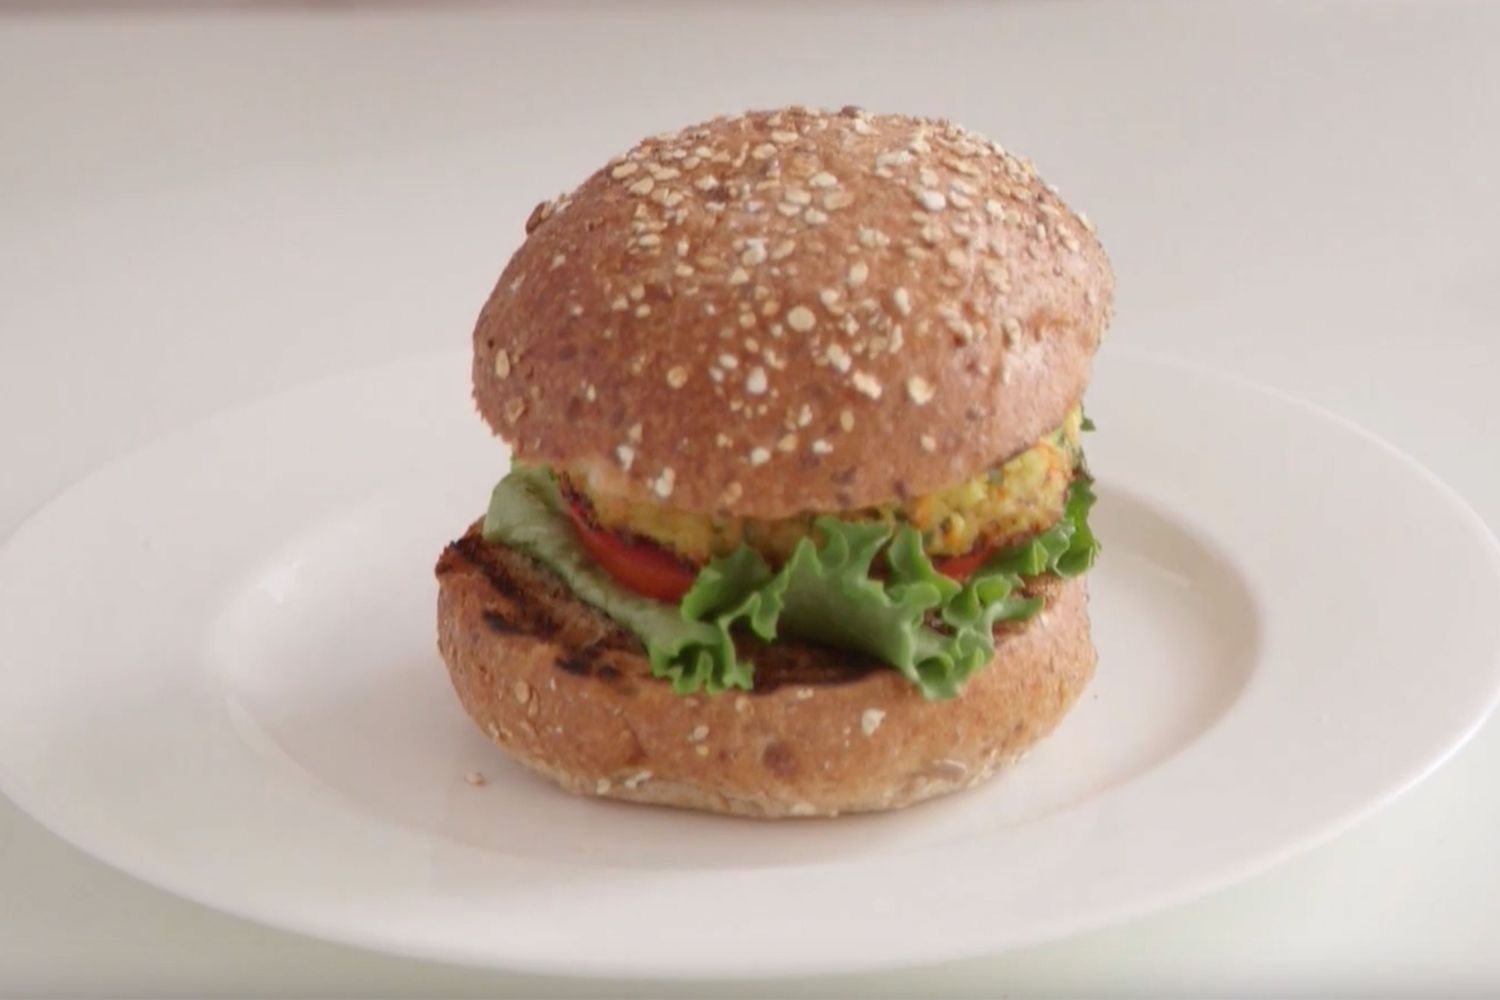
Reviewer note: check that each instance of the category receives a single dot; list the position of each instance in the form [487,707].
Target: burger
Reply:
[796,520]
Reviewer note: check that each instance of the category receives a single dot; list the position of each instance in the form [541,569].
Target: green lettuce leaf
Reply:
[935,631]
[526,512]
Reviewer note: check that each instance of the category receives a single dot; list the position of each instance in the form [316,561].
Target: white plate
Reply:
[218,673]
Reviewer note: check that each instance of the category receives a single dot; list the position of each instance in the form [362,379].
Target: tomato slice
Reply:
[645,569]
[962,567]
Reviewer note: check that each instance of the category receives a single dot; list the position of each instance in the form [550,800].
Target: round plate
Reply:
[219,674]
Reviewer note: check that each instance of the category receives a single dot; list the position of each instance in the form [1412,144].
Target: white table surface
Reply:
[200,207]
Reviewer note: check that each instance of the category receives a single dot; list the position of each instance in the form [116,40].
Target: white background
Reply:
[198,207]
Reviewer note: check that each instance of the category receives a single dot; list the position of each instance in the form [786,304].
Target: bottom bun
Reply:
[569,693]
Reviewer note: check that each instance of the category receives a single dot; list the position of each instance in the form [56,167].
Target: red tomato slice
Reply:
[645,569]
[962,567]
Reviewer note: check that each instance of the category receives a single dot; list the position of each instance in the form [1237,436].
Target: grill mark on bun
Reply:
[499,623]
[528,598]
[580,664]
[516,612]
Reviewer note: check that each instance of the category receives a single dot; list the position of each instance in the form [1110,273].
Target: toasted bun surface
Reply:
[793,310]
[569,694]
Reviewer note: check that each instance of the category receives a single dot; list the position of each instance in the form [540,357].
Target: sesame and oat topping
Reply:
[759,456]
[981,213]
[929,199]
[867,384]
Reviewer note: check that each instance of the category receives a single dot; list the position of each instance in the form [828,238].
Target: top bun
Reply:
[793,310]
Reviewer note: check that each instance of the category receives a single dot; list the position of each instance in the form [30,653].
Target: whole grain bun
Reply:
[793,310]
[569,694]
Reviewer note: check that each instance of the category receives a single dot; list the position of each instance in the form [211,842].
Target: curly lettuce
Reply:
[934,630]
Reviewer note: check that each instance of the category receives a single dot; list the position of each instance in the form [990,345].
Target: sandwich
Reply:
[797,515]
